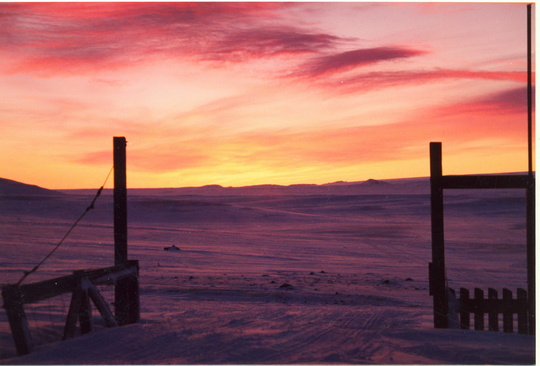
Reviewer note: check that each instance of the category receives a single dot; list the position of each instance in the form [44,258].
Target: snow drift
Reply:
[324,274]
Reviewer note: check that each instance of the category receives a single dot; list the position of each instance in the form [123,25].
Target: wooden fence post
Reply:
[131,300]
[531,256]
[122,288]
[120,201]
[437,273]
[13,303]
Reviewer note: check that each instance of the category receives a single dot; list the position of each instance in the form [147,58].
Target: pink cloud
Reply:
[506,102]
[348,60]
[363,82]
[272,41]
[64,37]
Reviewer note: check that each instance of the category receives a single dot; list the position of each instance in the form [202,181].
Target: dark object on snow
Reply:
[172,248]
[287,286]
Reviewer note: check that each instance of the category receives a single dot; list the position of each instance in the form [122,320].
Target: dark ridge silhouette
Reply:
[338,183]
[375,183]
[212,186]
[13,188]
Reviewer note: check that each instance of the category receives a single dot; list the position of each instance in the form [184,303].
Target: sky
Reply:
[244,93]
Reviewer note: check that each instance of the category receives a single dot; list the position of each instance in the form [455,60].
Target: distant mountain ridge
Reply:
[13,188]
[417,185]
[370,186]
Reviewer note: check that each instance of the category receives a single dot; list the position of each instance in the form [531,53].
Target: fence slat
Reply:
[522,312]
[464,314]
[493,315]
[479,309]
[508,315]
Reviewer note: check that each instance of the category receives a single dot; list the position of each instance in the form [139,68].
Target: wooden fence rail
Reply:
[82,284]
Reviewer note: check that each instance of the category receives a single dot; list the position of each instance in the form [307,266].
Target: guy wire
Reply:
[91,206]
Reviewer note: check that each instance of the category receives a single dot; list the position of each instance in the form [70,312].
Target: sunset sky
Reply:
[254,93]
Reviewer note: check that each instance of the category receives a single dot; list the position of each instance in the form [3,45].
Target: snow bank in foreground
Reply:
[162,344]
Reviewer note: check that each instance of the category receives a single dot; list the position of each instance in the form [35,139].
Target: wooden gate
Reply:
[446,306]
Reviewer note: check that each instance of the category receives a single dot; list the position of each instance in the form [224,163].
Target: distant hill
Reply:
[370,186]
[374,183]
[12,188]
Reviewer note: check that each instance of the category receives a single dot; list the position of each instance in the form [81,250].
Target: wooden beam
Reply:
[73,314]
[85,313]
[43,290]
[485,181]
[102,306]
[39,291]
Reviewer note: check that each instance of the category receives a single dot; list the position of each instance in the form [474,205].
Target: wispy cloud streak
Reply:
[348,60]
[363,82]
[60,38]
[510,101]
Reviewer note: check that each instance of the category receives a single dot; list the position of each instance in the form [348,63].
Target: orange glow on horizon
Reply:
[241,94]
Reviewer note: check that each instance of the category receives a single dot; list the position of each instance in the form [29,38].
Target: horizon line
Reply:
[288,185]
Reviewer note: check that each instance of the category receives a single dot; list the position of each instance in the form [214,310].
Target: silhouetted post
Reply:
[120,201]
[437,269]
[531,253]
[13,303]
[127,289]
[531,215]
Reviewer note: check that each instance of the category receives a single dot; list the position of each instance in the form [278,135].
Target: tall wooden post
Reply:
[437,267]
[120,201]
[531,204]
[531,253]
[126,290]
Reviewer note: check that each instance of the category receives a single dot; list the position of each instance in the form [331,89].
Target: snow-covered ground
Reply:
[272,275]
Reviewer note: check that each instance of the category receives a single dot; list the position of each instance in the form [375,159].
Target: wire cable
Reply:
[91,206]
